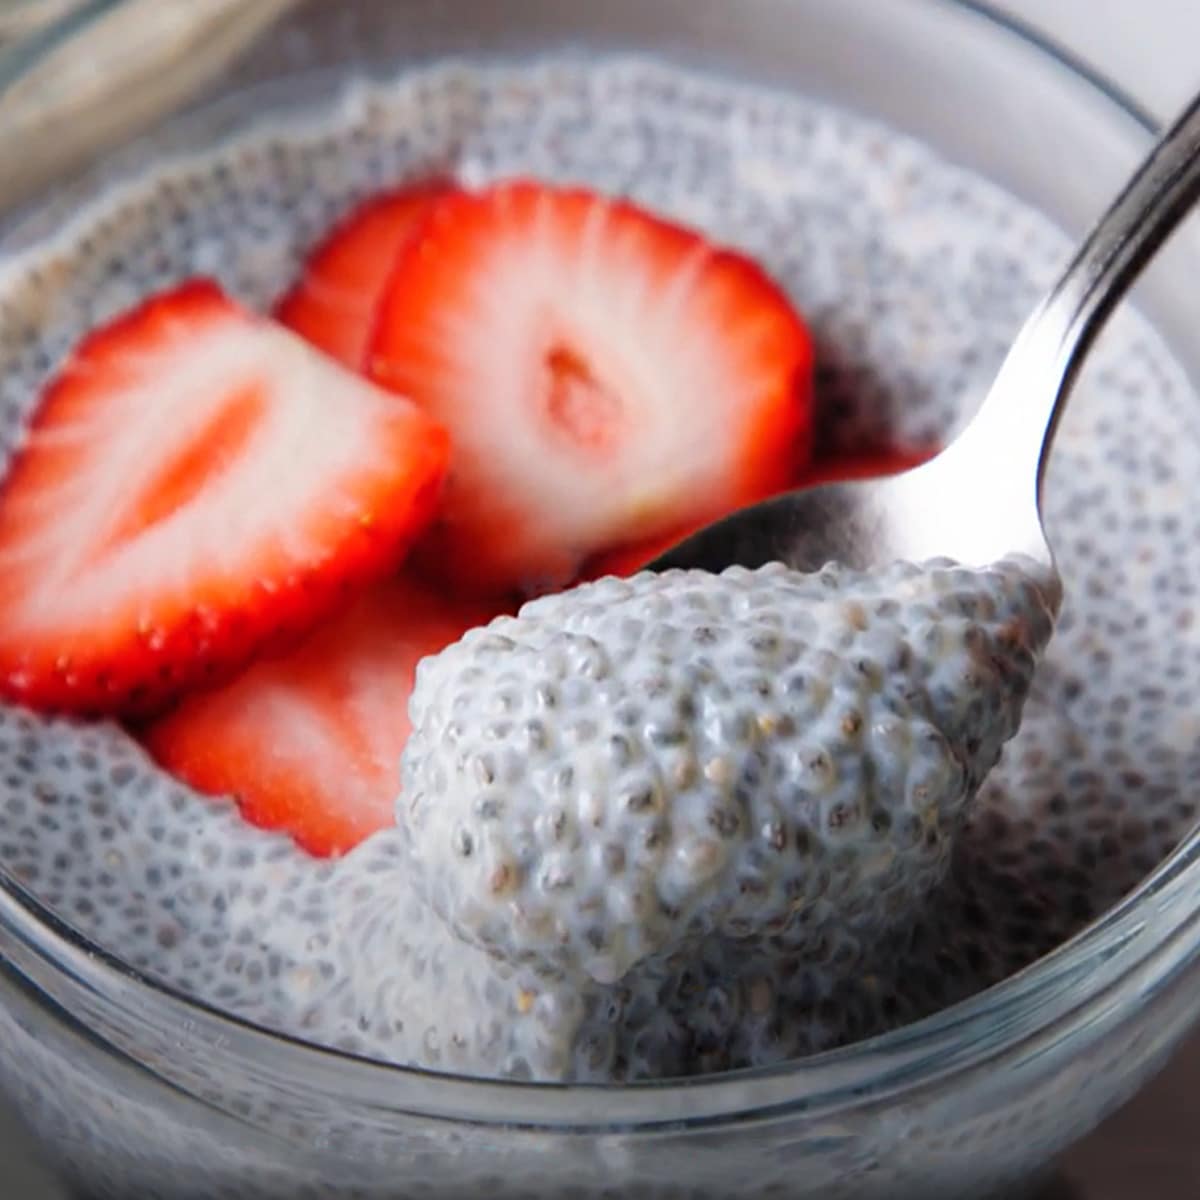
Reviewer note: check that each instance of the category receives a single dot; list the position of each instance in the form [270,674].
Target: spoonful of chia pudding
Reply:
[774,731]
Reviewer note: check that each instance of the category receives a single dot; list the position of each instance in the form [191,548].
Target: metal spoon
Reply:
[979,499]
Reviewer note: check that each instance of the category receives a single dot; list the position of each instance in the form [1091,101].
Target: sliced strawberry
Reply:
[601,373]
[333,304]
[631,557]
[865,464]
[309,742]
[196,482]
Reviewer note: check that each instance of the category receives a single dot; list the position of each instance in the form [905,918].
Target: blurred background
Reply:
[1150,49]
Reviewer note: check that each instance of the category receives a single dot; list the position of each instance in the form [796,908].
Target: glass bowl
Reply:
[135,1091]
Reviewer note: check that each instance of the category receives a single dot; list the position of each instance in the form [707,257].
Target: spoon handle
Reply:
[1018,419]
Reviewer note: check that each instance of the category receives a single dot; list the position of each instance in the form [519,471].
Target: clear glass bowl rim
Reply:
[1030,1009]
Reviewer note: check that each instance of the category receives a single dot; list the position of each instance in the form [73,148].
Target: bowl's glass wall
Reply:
[136,1093]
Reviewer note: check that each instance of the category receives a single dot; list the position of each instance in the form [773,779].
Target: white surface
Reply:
[1151,48]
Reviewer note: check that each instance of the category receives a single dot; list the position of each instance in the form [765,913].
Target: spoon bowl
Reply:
[911,516]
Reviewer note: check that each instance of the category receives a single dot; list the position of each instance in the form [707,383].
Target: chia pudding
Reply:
[912,277]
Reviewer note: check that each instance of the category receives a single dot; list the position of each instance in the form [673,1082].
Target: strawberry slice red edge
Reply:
[332,304]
